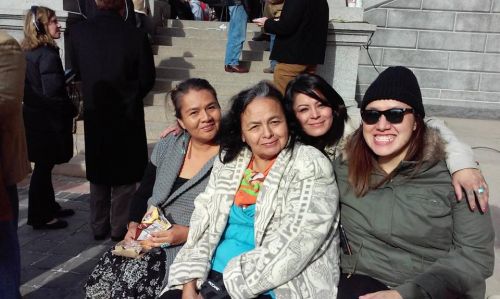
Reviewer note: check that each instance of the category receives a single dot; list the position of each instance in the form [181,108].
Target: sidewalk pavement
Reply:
[55,264]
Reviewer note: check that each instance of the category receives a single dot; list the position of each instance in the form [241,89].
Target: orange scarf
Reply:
[250,185]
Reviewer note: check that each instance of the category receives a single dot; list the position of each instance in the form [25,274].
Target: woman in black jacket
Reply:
[48,114]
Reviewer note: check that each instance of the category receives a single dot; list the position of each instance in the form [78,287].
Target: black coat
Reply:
[48,111]
[88,8]
[115,63]
[301,32]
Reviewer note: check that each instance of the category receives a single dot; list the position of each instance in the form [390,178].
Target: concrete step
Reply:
[165,52]
[225,89]
[155,98]
[212,74]
[186,24]
[208,44]
[202,63]
[75,167]
[212,32]
[162,99]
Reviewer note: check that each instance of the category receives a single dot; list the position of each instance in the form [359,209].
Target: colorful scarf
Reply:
[250,185]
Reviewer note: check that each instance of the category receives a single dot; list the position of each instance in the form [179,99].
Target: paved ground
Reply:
[55,264]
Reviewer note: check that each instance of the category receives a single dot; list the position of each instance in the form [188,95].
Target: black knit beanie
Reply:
[396,83]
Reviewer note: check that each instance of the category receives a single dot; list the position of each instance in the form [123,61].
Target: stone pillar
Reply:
[342,54]
[347,33]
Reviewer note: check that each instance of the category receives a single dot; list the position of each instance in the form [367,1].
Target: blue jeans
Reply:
[236,34]
[10,260]
[271,45]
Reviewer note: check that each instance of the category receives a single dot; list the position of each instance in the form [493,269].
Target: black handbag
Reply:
[213,287]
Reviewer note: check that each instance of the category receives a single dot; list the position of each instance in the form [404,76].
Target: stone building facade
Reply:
[453,46]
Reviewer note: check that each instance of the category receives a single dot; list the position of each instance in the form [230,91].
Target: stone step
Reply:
[75,167]
[186,24]
[212,75]
[212,32]
[225,89]
[155,98]
[161,98]
[208,44]
[203,63]
[165,52]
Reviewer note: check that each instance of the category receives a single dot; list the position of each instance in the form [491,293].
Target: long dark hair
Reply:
[230,129]
[184,87]
[362,160]
[317,88]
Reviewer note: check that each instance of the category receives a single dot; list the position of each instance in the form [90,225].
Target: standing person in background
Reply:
[117,70]
[300,43]
[235,37]
[272,10]
[14,164]
[180,9]
[89,10]
[48,116]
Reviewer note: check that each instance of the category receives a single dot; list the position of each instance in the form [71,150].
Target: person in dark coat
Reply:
[48,116]
[300,44]
[115,63]
[88,9]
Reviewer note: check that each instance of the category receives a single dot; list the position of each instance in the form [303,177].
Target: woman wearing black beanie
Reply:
[406,234]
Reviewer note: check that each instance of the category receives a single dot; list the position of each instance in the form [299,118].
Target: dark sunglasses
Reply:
[394,115]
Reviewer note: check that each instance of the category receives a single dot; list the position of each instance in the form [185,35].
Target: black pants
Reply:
[42,205]
[10,259]
[213,276]
[357,285]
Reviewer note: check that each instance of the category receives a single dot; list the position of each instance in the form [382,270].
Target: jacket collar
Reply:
[182,143]
[268,196]
[108,14]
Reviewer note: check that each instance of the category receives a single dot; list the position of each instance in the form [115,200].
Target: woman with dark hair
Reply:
[406,234]
[265,225]
[178,171]
[48,116]
[320,114]
[319,110]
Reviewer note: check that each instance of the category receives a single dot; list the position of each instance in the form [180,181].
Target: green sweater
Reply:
[413,235]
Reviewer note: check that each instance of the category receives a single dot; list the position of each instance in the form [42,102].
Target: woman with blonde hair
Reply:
[48,114]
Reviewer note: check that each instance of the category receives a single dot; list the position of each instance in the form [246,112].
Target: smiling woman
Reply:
[264,130]
[407,235]
[178,171]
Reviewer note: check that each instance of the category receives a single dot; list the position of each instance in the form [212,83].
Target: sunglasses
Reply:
[394,115]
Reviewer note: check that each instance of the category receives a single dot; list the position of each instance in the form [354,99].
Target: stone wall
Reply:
[453,46]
